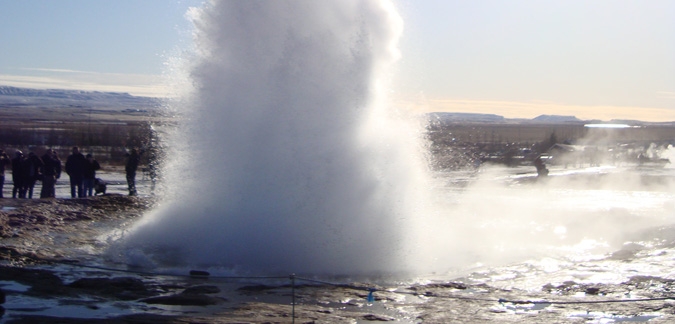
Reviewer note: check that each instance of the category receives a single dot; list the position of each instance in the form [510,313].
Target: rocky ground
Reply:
[36,235]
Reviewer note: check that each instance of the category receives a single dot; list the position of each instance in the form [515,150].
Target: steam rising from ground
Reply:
[290,160]
[507,217]
[510,215]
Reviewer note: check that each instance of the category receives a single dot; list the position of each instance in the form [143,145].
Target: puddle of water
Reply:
[532,308]
[18,304]
[13,286]
[600,317]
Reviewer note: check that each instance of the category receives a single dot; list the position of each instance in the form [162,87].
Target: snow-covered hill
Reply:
[17,97]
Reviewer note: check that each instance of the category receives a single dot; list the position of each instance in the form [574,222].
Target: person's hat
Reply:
[19,153]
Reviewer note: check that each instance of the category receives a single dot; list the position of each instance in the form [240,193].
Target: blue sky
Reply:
[518,58]
[118,45]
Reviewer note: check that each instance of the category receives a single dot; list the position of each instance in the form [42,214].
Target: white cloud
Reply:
[56,70]
[135,84]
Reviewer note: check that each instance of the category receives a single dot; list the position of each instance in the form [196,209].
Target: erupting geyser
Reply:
[288,159]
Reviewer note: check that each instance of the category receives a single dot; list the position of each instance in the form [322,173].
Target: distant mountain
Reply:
[556,119]
[13,97]
[454,117]
[447,117]
[16,97]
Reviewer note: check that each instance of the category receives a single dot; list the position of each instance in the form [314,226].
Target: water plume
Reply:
[289,158]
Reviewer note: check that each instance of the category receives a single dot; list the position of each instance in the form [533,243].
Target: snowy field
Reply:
[116,184]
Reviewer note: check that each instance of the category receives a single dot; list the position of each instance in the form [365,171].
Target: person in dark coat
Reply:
[75,165]
[33,172]
[542,171]
[5,161]
[133,159]
[51,171]
[19,175]
[90,175]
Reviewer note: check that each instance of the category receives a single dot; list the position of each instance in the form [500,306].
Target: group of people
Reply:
[81,169]
[27,170]
[82,173]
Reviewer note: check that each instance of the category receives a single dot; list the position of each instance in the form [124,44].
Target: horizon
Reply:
[604,121]
[602,60]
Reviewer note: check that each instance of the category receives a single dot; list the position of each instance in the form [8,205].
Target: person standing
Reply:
[19,175]
[133,159]
[75,164]
[5,161]
[33,172]
[542,171]
[90,175]
[51,171]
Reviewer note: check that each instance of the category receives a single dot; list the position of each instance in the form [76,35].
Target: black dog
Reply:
[99,186]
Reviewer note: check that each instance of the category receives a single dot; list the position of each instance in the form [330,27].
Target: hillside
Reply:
[76,105]
[31,105]
[12,96]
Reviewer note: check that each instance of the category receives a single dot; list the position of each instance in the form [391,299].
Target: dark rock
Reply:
[202,290]
[125,288]
[548,287]
[2,297]
[379,318]
[256,288]
[183,300]
[453,285]
[199,273]
[41,281]
[567,286]
[126,283]
[592,290]
[84,217]
[15,223]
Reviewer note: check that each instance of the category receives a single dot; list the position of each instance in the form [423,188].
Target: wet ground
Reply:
[53,270]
